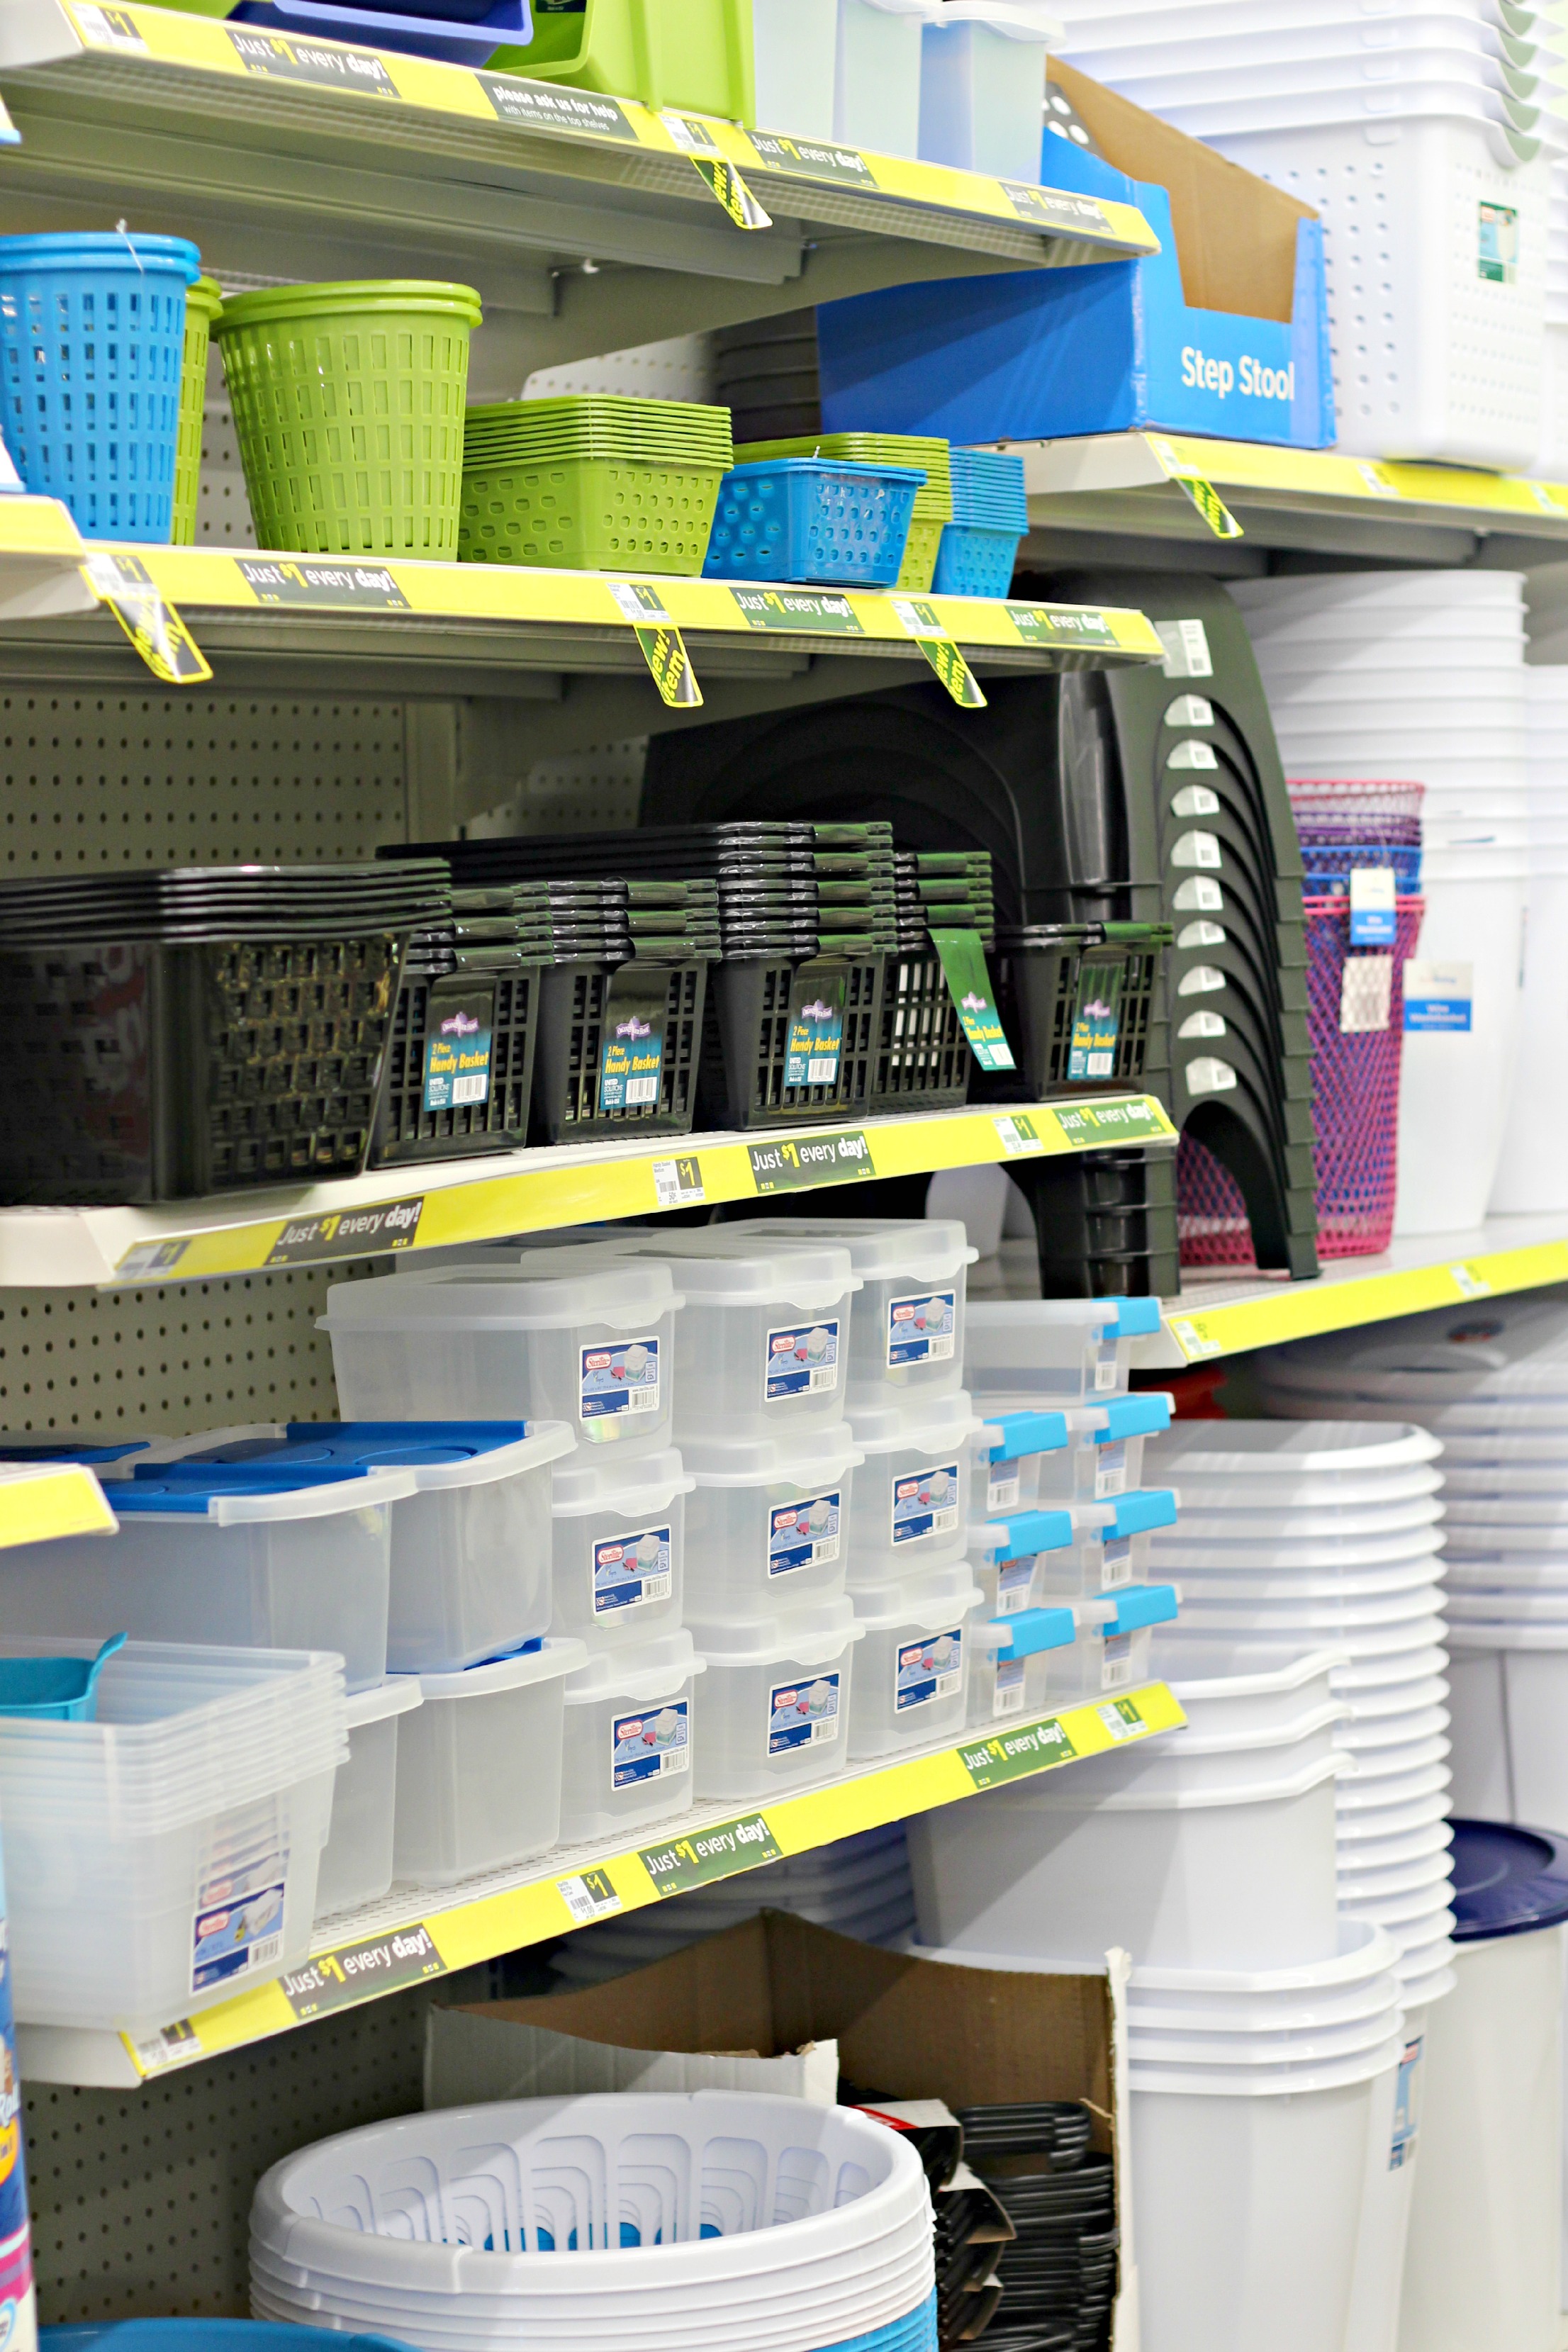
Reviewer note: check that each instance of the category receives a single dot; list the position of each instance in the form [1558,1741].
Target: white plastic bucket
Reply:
[877,101]
[1391,2148]
[1447,1168]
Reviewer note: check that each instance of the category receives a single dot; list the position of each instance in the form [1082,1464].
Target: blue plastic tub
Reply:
[972,561]
[461,32]
[208,2336]
[813,521]
[93,339]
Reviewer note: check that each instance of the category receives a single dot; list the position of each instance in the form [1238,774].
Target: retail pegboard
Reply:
[598,788]
[680,368]
[223,506]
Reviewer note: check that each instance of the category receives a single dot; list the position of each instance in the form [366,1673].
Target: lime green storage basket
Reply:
[695,54]
[348,408]
[203,303]
[591,514]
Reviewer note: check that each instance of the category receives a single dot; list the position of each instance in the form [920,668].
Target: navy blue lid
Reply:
[17,1449]
[1506,1881]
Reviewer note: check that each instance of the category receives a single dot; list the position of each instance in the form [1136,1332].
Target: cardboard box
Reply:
[771,2004]
[1224,332]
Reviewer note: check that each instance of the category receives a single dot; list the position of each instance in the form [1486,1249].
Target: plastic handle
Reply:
[1137,1417]
[1034,1630]
[1026,1433]
[1136,1319]
[1149,1506]
[1141,1604]
[1030,1532]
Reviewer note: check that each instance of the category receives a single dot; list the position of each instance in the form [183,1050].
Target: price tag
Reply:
[1470,1284]
[1121,1718]
[124,583]
[1374,480]
[1203,494]
[714,169]
[930,633]
[1017,1136]
[1374,918]
[1185,645]
[589,1896]
[677,1184]
[663,647]
[1438,996]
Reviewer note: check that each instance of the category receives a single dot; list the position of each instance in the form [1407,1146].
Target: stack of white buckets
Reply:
[1419,678]
[1272,2014]
[1533,1173]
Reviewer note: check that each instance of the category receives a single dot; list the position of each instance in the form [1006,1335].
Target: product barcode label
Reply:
[925,1504]
[471,1090]
[238,1925]
[677,1184]
[822,1069]
[1008,1698]
[927,1670]
[1119,1725]
[1116,1562]
[802,1715]
[642,1091]
[1116,1667]
[1015,1580]
[921,1330]
[800,1359]
[629,1570]
[803,1534]
[1109,1470]
[622,1376]
[646,1746]
[589,1896]
[1002,1488]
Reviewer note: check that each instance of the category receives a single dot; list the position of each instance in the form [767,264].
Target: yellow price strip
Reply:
[124,583]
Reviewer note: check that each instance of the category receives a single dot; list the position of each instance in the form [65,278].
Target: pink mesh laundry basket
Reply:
[1355,1104]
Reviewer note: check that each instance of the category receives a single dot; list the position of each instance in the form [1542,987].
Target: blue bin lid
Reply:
[192,1485]
[344,1446]
[1506,1881]
[17,1449]
[1136,1319]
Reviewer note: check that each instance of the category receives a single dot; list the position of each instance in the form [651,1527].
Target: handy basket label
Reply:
[458,1051]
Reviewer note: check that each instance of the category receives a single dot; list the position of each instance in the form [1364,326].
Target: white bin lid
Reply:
[721,1267]
[651,1669]
[399,1695]
[812,1631]
[881,1249]
[938,1598]
[571,1287]
[924,1423]
[651,1483]
[554,1656]
[1020,20]
[807,1459]
[1288,1449]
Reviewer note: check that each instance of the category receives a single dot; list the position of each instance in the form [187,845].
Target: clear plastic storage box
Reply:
[768,1522]
[1111,1651]
[911,1684]
[356,1864]
[776,1703]
[1079,1550]
[910,1509]
[619,1536]
[1053,1351]
[1009,1673]
[580,1335]
[1104,1453]
[238,1558]
[478,1767]
[1004,1456]
[907,1338]
[629,1738]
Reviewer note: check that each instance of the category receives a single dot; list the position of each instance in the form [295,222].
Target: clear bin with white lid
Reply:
[1053,1351]
[776,1701]
[356,1862]
[768,1522]
[763,1343]
[1009,1675]
[1004,1456]
[911,1505]
[907,1336]
[271,1560]
[619,1546]
[982,72]
[629,1738]
[470,1548]
[164,1856]
[1082,1548]
[478,1767]
[582,1334]
[911,1683]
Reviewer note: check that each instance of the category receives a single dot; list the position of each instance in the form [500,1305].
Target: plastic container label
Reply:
[1003,1487]
[801,1360]
[623,1378]
[929,1670]
[1008,1697]
[816,1039]
[1116,1562]
[1013,1579]
[926,1503]
[802,1534]
[1438,996]
[642,1746]
[631,1570]
[1407,2089]
[1110,1470]
[1116,1666]
[457,1055]
[238,1924]
[1097,1023]
[800,1714]
[921,1330]
[1105,1367]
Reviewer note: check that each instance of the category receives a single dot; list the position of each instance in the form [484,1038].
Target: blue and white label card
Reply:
[1438,997]
[1374,917]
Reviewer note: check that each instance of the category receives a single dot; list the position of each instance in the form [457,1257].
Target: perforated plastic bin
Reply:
[478,1767]
[1111,1651]
[1003,1457]
[356,1860]
[775,1705]
[1077,1012]
[914,1680]
[750,1076]
[618,1539]
[275,1560]
[408,1128]
[813,520]
[588,1338]
[1009,1679]
[974,559]
[635,512]
[629,1738]
[768,1522]
[924,1060]
[578,1012]
[907,1338]
[1057,1351]
[911,1505]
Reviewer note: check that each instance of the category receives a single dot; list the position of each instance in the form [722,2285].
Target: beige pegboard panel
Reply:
[596,789]
[222,509]
[679,369]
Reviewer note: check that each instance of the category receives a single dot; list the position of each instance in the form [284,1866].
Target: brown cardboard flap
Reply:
[1236,235]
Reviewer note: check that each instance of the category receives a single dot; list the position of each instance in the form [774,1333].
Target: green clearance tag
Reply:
[124,583]
[969,985]
[663,646]
[925,627]
[1210,505]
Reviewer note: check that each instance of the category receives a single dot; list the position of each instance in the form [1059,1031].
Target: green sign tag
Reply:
[1050,208]
[817,610]
[362,1970]
[969,985]
[813,159]
[1013,1755]
[1064,629]
[1097,1126]
[795,1165]
[706,1854]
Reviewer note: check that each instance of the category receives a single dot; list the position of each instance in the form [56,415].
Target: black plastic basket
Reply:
[143,1073]
[1042,989]
[506,1001]
[1105,1223]
[924,1060]
[574,1022]
[745,1048]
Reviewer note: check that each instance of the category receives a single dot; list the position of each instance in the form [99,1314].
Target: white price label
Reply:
[677,1184]
[1018,1136]
[589,1896]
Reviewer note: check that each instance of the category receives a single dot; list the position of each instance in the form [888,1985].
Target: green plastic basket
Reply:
[695,54]
[348,408]
[203,303]
[918,567]
[590,514]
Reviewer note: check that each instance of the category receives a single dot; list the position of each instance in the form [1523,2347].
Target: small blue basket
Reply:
[973,561]
[55,1690]
[988,489]
[92,341]
[1326,870]
[813,522]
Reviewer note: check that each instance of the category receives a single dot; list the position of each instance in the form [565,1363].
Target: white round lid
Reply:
[592,1480]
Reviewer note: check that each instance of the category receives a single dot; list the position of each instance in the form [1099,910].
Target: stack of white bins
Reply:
[1532,1172]
[1420,677]
[1423,142]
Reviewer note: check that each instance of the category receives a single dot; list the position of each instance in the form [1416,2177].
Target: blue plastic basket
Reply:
[974,561]
[814,521]
[1326,870]
[988,489]
[462,32]
[93,339]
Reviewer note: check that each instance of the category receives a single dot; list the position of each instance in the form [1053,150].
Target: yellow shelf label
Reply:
[1304,1309]
[65,1499]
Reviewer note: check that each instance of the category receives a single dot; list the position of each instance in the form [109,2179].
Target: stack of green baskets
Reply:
[933,501]
[591,483]
[202,301]
[348,408]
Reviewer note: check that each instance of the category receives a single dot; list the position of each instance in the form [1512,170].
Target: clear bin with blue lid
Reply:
[813,521]
[768,1523]
[908,1336]
[582,1335]
[1006,1456]
[1104,1453]
[911,1509]
[1114,1634]
[276,1559]
[478,1767]
[356,1862]
[470,1545]
[618,1547]
[1055,1352]
[1009,1679]
[912,1685]
[1081,1548]
[777,1697]
[629,1737]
